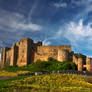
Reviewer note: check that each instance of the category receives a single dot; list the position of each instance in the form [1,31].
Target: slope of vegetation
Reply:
[44,83]
[4,73]
[50,83]
[49,65]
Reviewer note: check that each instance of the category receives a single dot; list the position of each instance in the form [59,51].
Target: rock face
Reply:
[26,51]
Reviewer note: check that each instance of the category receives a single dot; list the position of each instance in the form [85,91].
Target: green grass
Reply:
[4,83]
[46,83]
[50,83]
[44,66]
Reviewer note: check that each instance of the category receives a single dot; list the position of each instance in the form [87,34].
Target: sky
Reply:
[55,22]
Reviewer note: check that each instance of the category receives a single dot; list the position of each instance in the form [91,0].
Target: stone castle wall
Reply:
[21,53]
[26,51]
[44,52]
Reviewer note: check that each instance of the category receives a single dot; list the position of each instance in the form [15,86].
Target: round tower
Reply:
[75,59]
[63,55]
[80,64]
[89,64]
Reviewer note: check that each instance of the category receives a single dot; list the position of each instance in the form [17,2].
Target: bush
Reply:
[69,66]
[44,66]
[38,60]
[52,65]
[51,59]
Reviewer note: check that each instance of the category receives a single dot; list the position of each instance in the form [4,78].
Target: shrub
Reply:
[44,66]
[38,60]
[52,65]
[51,59]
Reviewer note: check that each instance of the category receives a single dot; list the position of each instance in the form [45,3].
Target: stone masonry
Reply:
[26,51]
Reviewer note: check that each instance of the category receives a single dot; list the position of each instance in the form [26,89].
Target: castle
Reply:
[26,51]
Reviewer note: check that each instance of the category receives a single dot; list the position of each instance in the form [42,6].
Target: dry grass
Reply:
[64,82]
[4,73]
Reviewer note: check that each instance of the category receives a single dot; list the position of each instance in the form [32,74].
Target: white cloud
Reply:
[78,2]
[46,42]
[23,26]
[32,10]
[13,26]
[86,4]
[89,8]
[77,34]
[60,5]
[1,43]
[12,21]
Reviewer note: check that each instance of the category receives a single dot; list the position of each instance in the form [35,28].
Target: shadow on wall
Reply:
[0,56]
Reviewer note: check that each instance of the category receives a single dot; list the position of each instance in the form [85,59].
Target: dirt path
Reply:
[6,77]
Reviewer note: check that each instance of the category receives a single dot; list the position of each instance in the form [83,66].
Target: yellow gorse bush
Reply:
[53,81]
[11,74]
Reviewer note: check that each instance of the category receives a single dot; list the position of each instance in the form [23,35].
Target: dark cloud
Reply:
[43,20]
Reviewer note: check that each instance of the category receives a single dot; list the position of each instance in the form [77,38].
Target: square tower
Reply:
[24,57]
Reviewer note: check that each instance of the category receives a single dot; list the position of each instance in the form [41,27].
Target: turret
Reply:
[26,52]
[80,64]
[3,54]
[75,59]
[63,55]
[14,55]
[89,64]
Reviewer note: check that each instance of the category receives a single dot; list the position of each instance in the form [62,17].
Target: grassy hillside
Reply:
[44,66]
[4,73]
[49,83]
[44,83]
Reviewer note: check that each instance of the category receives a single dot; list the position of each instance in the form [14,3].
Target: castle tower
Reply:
[25,54]
[75,59]
[80,64]
[89,64]
[14,55]
[3,54]
[63,55]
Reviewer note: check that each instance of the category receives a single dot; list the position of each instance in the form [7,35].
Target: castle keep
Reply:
[26,51]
